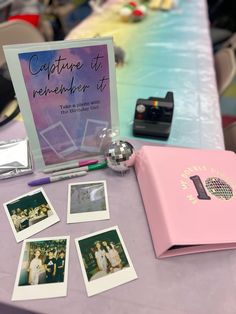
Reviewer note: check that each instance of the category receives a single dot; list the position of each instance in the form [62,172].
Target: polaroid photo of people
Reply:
[87,201]
[30,213]
[42,269]
[104,260]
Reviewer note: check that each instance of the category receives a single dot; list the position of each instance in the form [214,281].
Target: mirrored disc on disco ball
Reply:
[120,155]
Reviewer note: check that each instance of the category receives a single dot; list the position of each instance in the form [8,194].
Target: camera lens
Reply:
[154,113]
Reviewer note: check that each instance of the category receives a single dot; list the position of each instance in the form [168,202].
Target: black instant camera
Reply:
[153,116]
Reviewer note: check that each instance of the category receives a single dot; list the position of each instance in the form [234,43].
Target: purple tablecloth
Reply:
[196,284]
[193,284]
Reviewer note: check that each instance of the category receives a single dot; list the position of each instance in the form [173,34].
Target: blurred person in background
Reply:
[5,6]
[27,10]
[222,14]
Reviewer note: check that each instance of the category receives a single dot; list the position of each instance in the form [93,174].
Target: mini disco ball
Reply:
[219,188]
[120,155]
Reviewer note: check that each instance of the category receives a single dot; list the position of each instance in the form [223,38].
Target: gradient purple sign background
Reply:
[69,95]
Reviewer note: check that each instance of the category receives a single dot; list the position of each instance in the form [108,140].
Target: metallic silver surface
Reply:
[120,155]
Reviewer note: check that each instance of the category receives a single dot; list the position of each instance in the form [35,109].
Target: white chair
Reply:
[17,32]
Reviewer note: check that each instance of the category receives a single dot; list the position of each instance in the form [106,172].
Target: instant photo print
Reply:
[87,201]
[43,269]
[30,213]
[104,260]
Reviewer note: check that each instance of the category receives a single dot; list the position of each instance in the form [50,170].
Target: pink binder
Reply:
[189,198]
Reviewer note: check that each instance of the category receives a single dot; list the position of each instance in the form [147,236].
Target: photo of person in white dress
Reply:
[35,268]
[100,255]
[113,257]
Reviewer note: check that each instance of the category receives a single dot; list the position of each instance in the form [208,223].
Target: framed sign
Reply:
[67,95]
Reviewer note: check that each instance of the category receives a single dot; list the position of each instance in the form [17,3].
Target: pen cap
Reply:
[83,163]
[97,166]
[39,182]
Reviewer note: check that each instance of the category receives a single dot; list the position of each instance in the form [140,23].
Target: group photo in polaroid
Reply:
[30,213]
[104,260]
[43,269]
[87,201]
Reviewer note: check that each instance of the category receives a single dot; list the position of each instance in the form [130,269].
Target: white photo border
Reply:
[112,280]
[41,291]
[35,228]
[87,148]
[89,216]
[51,127]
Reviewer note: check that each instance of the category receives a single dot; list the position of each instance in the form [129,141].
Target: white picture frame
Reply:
[30,213]
[103,280]
[87,201]
[39,290]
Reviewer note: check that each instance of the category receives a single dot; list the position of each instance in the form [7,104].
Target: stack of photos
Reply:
[87,201]
[30,213]
[67,96]
[43,269]
[104,260]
